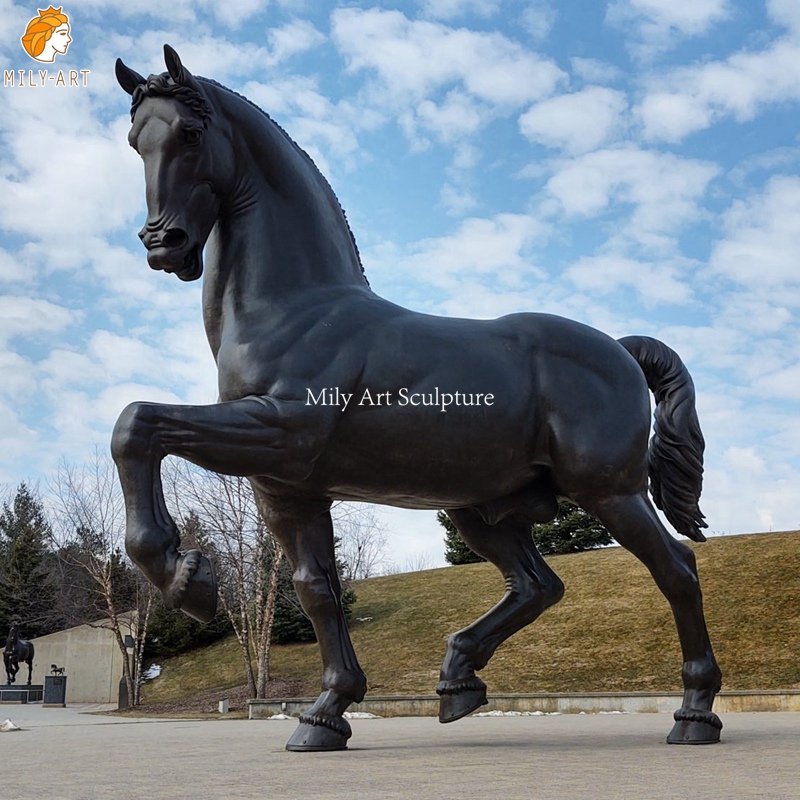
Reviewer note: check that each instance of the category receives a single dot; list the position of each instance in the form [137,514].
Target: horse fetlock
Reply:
[347,683]
[702,674]
[464,655]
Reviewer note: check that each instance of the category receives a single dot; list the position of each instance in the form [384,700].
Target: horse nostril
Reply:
[174,238]
[142,233]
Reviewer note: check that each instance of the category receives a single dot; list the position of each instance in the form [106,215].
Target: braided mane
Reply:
[163,86]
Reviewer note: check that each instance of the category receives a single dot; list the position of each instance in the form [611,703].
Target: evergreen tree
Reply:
[27,580]
[572,531]
[456,550]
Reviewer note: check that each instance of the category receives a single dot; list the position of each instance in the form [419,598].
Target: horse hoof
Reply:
[460,697]
[694,726]
[194,588]
[319,736]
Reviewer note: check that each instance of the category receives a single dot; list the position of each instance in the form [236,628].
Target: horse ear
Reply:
[128,78]
[176,70]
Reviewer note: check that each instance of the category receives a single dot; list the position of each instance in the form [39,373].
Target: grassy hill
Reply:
[613,631]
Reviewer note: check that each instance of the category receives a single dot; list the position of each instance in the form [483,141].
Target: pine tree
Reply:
[572,531]
[456,550]
[27,580]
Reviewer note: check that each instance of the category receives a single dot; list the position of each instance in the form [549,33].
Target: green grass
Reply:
[613,631]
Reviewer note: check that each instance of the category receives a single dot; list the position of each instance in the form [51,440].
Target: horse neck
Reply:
[280,232]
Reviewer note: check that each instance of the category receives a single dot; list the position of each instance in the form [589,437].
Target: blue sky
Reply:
[632,164]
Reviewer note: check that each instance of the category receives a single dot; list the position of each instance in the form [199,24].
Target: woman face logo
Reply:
[47,35]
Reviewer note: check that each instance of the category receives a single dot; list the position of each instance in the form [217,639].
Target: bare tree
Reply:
[361,540]
[89,541]
[246,556]
[416,563]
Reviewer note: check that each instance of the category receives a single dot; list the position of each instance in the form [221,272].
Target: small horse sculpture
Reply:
[17,650]
[325,393]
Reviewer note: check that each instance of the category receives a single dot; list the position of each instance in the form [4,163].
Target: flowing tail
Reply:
[675,457]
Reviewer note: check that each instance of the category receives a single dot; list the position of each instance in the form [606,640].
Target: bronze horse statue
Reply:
[15,652]
[327,391]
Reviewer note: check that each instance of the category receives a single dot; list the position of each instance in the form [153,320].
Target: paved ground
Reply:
[65,755]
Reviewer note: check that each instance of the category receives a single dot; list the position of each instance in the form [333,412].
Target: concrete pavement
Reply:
[64,755]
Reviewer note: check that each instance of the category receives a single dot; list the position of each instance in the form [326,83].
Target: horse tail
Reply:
[675,456]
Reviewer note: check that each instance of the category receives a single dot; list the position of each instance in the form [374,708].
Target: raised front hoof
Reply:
[319,735]
[459,698]
[194,588]
[693,726]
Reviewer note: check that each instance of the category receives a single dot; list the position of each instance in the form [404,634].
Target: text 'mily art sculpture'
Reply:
[329,392]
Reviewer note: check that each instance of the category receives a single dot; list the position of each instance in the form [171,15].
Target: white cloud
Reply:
[657,25]
[54,146]
[769,500]
[538,19]
[231,13]
[664,189]
[414,59]
[479,246]
[784,383]
[690,99]
[785,12]
[455,117]
[763,239]
[29,316]
[457,200]
[653,282]
[17,442]
[576,122]
[18,380]
[12,270]
[295,37]
[448,9]
[594,70]
[327,131]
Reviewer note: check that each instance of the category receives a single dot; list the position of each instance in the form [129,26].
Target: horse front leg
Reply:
[305,532]
[243,437]
[11,671]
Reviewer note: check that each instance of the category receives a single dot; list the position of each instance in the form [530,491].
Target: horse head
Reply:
[188,163]
[13,636]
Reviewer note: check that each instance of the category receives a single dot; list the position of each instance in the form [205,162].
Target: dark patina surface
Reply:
[290,318]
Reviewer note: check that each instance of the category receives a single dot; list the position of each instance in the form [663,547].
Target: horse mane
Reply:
[163,86]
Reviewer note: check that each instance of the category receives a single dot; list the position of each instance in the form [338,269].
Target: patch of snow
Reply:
[280,716]
[363,619]
[359,715]
[518,714]
[153,671]
[8,725]
[612,712]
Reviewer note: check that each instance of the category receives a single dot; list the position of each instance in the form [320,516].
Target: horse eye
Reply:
[192,135]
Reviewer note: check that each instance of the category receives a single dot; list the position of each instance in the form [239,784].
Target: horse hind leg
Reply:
[634,524]
[531,587]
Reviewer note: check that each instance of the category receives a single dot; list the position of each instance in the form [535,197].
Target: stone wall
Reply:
[91,659]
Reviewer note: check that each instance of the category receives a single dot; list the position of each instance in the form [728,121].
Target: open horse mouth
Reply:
[188,267]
